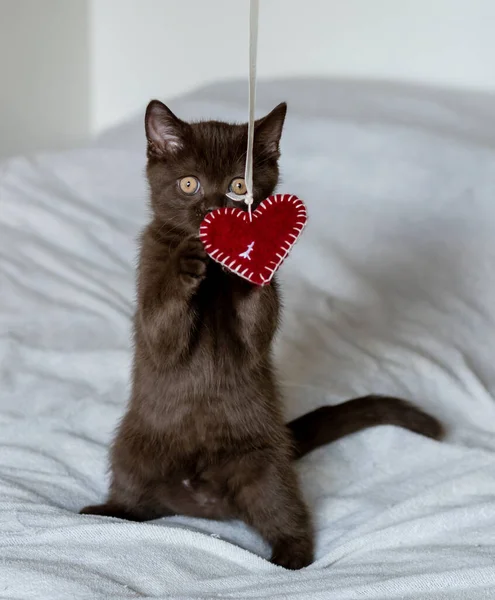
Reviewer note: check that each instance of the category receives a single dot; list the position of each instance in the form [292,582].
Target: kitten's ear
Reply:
[268,130]
[164,131]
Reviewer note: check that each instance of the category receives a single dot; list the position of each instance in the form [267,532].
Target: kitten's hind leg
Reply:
[272,505]
[113,509]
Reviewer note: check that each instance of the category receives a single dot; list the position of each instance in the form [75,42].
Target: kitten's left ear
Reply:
[164,131]
[268,130]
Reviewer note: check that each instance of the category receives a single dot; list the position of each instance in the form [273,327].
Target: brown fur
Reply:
[203,434]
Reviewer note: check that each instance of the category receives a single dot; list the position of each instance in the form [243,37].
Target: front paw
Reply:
[192,261]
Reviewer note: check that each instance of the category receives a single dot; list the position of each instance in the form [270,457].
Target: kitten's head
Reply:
[193,166]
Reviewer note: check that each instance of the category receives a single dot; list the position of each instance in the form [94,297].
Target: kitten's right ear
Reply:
[164,131]
[269,130]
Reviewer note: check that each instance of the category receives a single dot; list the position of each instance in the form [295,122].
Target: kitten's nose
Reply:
[215,201]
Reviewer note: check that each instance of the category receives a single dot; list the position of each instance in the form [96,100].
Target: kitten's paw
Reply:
[102,510]
[292,553]
[109,509]
[192,261]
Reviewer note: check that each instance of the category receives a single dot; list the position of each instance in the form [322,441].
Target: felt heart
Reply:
[254,249]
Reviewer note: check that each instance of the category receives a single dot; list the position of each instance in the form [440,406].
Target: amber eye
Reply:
[189,185]
[238,186]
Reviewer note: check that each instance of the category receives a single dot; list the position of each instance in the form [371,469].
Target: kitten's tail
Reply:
[329,423]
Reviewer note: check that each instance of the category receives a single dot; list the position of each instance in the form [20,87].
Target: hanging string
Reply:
[253,51]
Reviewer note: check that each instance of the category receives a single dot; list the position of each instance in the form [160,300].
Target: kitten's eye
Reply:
[189,185]
[238,186]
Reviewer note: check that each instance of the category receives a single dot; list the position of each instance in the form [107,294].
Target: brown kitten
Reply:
[203,434]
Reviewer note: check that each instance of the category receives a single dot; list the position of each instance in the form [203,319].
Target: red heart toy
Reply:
[254,249]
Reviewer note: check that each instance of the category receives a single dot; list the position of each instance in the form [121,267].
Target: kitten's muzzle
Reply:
[224,202]
[219,200]
[213,202]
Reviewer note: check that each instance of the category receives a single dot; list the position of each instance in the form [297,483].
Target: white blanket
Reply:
[391,289]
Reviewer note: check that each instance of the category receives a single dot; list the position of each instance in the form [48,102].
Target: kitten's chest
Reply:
[220,302]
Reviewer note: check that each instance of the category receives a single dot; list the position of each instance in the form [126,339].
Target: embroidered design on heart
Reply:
[254,249]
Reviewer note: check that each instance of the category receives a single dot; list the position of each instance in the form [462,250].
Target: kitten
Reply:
[203,434]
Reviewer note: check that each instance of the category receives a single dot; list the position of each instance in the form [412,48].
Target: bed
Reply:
[391,289]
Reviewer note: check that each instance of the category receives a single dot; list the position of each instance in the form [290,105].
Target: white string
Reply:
[253,50]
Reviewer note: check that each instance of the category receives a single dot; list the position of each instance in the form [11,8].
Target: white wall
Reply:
[44,74]
[73,67]
[148,48]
